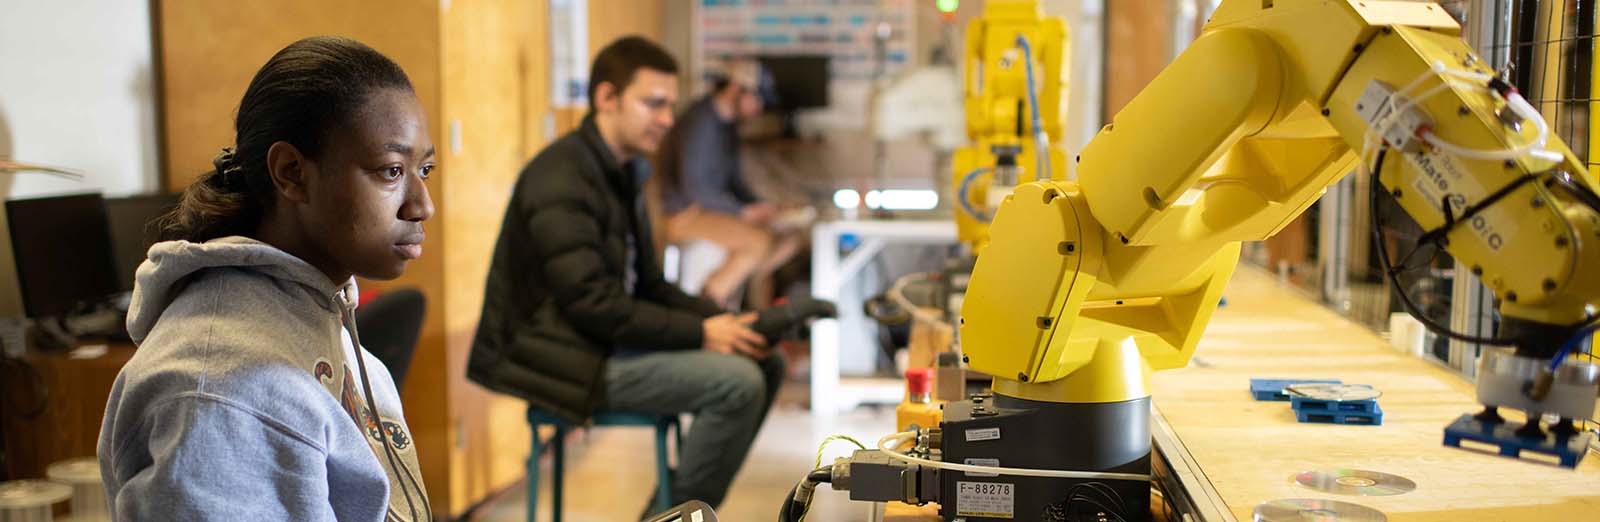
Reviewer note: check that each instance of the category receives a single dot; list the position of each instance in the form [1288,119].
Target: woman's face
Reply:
[367,199]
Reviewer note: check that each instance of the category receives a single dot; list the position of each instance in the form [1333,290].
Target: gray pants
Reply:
[729,396]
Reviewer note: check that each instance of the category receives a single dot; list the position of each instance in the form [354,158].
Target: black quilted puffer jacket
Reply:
[558,300]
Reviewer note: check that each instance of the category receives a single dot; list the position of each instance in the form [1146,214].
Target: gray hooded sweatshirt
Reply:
[244,399]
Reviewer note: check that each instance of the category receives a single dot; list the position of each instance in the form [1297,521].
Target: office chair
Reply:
[390,325]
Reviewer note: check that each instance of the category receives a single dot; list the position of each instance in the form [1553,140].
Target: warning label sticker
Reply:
[986,499]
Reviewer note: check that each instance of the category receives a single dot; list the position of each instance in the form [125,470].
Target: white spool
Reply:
[88,493]
[30,500]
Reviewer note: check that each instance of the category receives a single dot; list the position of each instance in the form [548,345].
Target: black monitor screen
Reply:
[63,252]
[133,230]
[800,82]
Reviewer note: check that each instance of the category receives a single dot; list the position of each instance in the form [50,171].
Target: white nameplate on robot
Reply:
[986,499]
[983,434]
[993,463]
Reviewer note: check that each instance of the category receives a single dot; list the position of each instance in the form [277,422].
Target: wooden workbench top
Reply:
[1248,450]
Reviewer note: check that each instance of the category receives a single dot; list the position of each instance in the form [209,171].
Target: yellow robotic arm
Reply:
[1001,114]
[1088,285]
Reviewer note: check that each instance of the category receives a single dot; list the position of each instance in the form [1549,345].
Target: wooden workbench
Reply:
[68,390]
[1247,451]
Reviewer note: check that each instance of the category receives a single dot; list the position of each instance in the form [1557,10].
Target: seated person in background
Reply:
[705,196]
[577,317]
[251,397]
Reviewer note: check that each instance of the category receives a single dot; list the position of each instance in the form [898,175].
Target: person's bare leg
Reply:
[746,246]
[761,290]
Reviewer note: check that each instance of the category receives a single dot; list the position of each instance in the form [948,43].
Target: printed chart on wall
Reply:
[860,38]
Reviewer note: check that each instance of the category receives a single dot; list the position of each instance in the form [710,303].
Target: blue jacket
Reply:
[700,164]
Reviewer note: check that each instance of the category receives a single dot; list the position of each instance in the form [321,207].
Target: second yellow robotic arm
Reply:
[1012,40]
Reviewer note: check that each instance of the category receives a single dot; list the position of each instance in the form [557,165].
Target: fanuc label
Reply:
[1439,182]
[986,499]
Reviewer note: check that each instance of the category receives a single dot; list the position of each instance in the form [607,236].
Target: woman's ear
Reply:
[288,169]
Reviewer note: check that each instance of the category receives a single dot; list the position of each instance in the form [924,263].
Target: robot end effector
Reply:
[1464,154]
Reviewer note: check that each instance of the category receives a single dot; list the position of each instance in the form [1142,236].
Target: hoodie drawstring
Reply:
[347,317]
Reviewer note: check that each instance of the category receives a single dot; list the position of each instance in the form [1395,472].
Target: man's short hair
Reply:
[617,63]
[744,72]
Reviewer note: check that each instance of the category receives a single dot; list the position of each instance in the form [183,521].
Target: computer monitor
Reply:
[799,81]
[133,230]
[63,252]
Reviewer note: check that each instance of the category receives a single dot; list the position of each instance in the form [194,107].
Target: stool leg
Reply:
[557,474]
[677,435]
[533,476]
[663,471]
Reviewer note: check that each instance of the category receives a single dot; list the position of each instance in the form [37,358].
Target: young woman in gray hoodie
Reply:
[250,397]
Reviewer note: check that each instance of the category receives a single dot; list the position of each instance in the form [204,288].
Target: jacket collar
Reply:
[622,174]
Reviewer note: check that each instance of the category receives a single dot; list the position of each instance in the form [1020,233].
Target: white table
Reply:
[831,276]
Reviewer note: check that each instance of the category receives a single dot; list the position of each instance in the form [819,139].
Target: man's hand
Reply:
[731,334]
[759,213]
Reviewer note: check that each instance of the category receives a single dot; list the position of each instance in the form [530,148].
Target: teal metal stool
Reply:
[662,424]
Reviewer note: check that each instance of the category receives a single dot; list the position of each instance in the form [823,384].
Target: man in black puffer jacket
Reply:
[577,316]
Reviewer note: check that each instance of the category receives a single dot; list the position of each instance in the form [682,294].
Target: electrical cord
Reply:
[791,511]
[1435,236]
[1394,275]
[1041,142]
[1580,191]
[799,498]
[966,200]
[798,503]
[1572,342]
[888,445]
[1106,493]
[1106,504]
[1372,140]
[831,438]
[1438,234]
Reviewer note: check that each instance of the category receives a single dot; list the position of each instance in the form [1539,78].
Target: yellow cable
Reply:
[817,466]
[831,438]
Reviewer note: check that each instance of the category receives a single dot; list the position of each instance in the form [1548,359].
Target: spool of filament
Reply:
[88,493]
[30,500]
